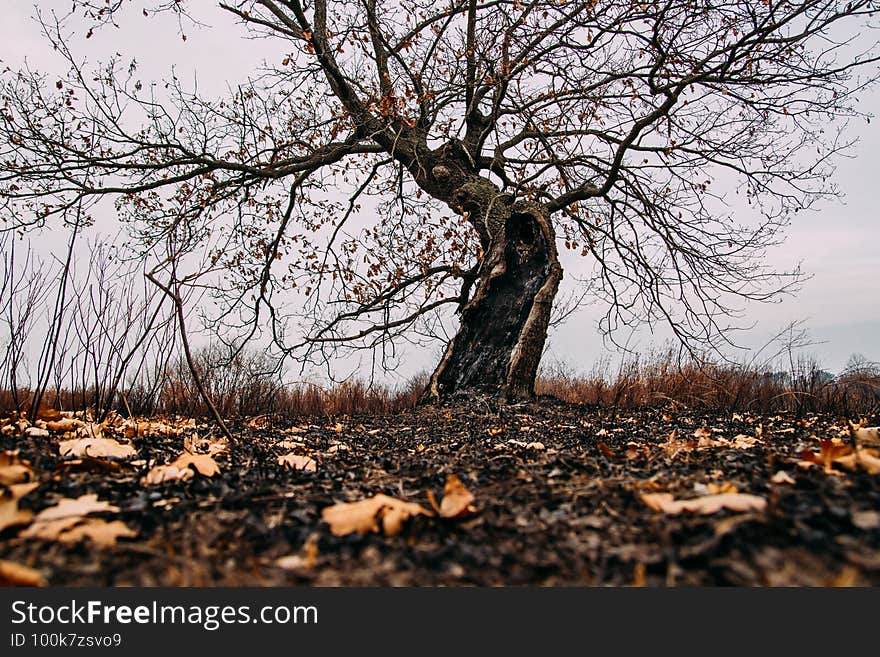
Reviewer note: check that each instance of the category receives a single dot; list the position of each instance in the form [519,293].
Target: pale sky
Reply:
[837,243]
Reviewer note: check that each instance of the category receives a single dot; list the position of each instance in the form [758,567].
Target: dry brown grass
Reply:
[242,389]
[661,379]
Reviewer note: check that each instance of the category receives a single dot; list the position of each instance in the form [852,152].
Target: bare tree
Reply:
[322,187]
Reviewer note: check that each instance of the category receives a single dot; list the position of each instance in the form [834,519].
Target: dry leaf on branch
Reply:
[13,470]
[15,574]
[379,512]
[298,462]
[457,500]
[706,505]
[96,448]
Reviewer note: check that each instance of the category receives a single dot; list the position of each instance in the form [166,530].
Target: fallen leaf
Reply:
[203,463]
[742,441]
[13,470]
[96,448]
[536,446]
[868,435]
[305,560]
[161,474]
[864,459]
[99,531]
[10,514]
[607,452]
[866,519]
[158,429]
[259,422]
[338,447]
[291,444]
[829,452]
[15,574]
[724,487]
[20,490]
[291,562]
[36,432]
[298,462]
[88,464]
[674,445]
[495,431]
[457,500]
[64,425]
[782,477]
[181,469]
[380,512]
[216,447]
[704,505]
[51,523]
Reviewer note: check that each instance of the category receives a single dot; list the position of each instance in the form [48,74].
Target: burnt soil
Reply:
[565,514]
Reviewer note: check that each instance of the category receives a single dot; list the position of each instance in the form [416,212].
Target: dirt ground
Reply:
[558,501]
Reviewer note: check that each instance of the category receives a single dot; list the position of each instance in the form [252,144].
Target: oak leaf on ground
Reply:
[705,505]
[99,531]
[10,514]
[298,462]
[96,448]
[457,499]
[64,425]
[53,522]
[378,513]
[181,469]
[782,477]
[836,452]
[15,574]
[13,470]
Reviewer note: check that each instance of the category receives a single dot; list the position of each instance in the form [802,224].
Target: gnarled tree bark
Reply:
[504,325]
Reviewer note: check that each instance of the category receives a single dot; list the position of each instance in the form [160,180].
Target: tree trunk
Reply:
[504,326]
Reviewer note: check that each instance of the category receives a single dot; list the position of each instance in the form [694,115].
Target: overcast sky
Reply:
[837,243]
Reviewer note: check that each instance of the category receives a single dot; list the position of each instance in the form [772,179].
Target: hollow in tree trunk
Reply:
[504,326]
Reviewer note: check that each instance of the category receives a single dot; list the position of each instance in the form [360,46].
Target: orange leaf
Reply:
[457,500]
[379,511]
[99,531]
[15,574]
[10,514]
[704,505]
[13,470]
